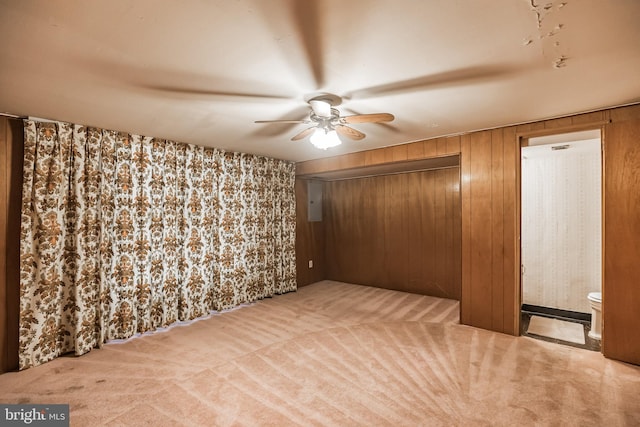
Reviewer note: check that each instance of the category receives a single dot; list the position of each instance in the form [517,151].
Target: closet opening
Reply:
[394,226]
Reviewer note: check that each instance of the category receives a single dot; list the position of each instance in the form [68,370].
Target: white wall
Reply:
[561,225]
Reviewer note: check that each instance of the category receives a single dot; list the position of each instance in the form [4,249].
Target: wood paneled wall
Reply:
[621,293]
[397,232]
[11,152]
[490,218]
[309,241]
[490,296]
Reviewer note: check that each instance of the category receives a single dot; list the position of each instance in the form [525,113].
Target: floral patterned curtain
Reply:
[123,234]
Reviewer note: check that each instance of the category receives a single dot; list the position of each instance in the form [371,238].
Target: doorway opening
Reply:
[561,238]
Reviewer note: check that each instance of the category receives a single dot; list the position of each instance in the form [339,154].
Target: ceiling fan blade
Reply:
[349,132]
[304,133]
[188,93]
[183,84]
[368,118]
[292,118]
[357,113]
[306,16]
[320,108]
[282,121]
[459,77]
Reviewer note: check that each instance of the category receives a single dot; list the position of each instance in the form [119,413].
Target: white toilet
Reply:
[595,299]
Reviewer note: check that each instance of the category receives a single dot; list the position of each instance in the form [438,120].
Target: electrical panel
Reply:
[314,200]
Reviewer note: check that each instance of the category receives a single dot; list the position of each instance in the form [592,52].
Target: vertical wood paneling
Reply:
[313,166]
[372,207]
[352,160]
[454,213]
[11,143]
[355,204]
[405,224]
[388,155]
[581,119]
[309,240]
[428,222]
[466,186]
[631,112]
[490,299]
[347,202]
[396,252]
[497,229]
[447,231]
[399,152]
[621,288]
[441,146]
[440,212]
[374,157]
[558,123]
[5,167]
[431,148]
[453,144]
[511,259]
[528,127]
[413,213]
[415,150]
[330,217]
[379,239]
[481,239]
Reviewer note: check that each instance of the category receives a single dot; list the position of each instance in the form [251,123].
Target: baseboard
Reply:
[555,312]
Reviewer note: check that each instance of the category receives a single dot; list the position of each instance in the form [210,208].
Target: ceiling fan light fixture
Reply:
[326,122]
[323,138]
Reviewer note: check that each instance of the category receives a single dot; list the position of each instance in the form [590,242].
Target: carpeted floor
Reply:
[340,355]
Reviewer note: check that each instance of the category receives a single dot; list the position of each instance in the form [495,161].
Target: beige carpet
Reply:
[335,354]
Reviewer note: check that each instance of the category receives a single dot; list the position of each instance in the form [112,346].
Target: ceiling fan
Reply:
[327,122]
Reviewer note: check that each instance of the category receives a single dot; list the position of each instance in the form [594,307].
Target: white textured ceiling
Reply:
[202,71]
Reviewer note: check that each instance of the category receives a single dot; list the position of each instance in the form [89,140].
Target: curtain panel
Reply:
[123,234]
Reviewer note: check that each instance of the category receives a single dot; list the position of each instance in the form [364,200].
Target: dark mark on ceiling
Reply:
[560,62]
